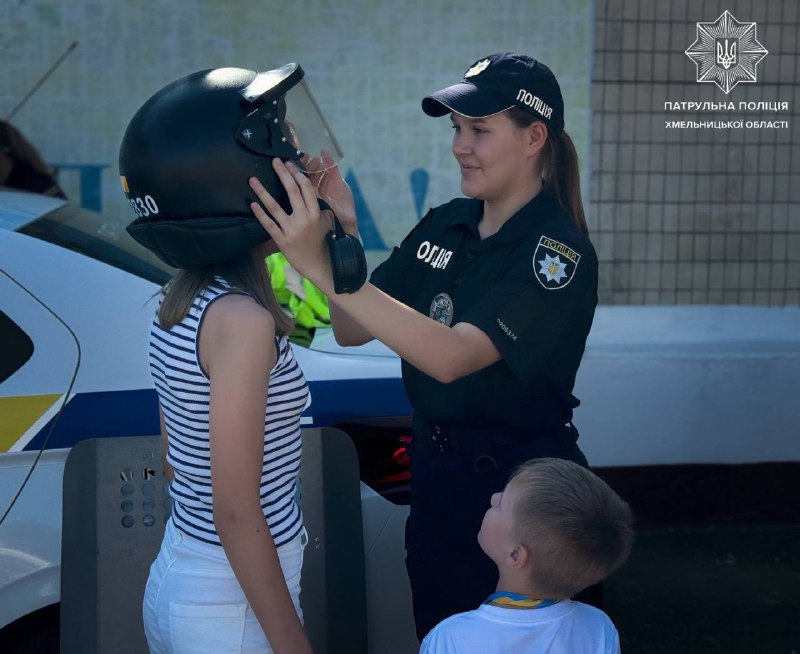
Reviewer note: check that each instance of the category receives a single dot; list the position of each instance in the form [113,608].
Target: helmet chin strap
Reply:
[348,261]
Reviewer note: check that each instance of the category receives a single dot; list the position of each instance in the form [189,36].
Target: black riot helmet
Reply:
[189,150]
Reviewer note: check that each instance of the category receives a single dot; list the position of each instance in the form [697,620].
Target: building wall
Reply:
[666,385]
[685,215]
[368,62]
[678,215]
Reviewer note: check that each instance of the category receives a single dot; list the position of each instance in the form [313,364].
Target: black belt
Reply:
[478,440]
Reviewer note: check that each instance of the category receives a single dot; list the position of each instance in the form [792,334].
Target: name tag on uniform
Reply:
[434,255]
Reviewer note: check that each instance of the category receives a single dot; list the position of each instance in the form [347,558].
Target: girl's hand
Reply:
[301,234]
[332,188]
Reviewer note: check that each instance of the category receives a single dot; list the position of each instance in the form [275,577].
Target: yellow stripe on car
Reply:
[19,414]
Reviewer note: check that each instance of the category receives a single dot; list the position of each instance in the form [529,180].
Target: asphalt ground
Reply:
[709,589]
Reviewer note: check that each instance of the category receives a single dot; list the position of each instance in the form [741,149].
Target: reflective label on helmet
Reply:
[144,207]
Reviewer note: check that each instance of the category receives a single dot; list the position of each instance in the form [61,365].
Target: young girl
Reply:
[231,395]
[488,301]
[227,578]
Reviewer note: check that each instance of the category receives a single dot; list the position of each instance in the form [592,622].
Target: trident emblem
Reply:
[726,53]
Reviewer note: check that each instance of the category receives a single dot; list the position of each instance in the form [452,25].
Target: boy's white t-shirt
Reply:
[564,628]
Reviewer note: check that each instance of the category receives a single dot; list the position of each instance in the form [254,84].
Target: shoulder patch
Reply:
[554,263]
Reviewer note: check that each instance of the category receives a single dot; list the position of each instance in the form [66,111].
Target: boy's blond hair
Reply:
[575,528]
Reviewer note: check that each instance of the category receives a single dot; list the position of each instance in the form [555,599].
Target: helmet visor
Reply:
[306,130]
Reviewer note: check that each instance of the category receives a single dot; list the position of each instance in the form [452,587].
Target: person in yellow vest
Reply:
[304,301]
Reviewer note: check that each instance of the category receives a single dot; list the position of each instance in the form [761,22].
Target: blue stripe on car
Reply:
[135,413]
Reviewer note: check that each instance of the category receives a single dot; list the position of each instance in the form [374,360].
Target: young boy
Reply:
[555,529]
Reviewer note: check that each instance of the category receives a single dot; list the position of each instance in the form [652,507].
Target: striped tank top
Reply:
[183,391]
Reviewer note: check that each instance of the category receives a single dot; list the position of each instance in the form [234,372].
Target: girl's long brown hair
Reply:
[560,171]
[247,274]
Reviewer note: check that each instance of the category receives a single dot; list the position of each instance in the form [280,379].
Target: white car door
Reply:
[38,363]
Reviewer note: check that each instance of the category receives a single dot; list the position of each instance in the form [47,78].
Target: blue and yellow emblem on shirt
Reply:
[554,263]
[516,601]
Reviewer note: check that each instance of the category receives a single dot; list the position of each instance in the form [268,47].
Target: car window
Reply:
[17,347]
[104,238]
[100,237]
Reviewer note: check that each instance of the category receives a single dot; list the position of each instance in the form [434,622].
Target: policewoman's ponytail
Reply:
[560,174]
[560,171]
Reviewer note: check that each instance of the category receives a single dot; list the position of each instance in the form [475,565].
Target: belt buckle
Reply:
[438,439]
[484,463]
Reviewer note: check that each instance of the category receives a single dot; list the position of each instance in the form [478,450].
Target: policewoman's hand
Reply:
[301,234]
[331,187]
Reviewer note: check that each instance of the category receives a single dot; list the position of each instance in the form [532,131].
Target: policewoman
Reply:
[488,301]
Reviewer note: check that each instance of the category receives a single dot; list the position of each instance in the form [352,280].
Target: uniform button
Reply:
[458,280]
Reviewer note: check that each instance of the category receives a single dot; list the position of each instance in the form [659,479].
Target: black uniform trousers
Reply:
[453,476]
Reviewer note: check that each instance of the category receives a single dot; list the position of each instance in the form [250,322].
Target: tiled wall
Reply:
[684,214]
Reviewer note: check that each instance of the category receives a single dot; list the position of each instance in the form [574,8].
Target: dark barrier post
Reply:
[115,508]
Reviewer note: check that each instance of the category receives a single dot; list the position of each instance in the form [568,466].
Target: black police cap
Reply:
[499,82]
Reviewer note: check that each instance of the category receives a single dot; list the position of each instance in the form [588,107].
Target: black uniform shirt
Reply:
[531,287]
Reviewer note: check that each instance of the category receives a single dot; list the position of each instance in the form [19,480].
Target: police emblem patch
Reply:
[478,68]
[442,309]
[554,263]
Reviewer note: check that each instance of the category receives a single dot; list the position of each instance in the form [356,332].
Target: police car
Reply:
[668,393]
[76,300]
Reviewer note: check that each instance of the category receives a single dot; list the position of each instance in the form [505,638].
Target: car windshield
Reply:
[100,237]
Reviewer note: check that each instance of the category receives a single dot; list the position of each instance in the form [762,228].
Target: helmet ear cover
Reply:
[348,261]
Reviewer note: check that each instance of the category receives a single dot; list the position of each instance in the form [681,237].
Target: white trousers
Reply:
[194,604]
